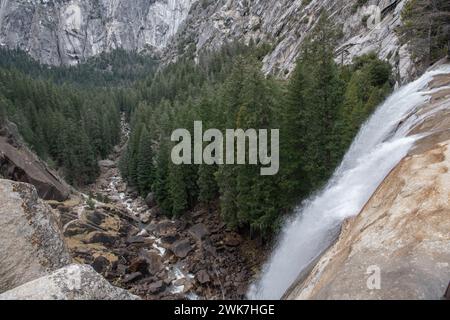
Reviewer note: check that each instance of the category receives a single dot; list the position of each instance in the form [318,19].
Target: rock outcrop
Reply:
[18,163]
[31,241]
[402,234]
[73,282]
[368,26]
[34,259]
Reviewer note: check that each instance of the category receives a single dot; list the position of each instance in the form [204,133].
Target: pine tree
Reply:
[226,180]
[145,169]
[294,182]
[426,26]
[133,152]
[252,197]
[79,159]
[3,110]
[208,189]
[160,184]
[315,94]
[230,100]
[177,190]
[369,84]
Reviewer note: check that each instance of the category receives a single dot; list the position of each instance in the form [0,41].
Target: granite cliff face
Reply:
[286,23]
[19,163]
[69,31]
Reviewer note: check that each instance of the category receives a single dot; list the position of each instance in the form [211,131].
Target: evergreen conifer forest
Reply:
[70,116]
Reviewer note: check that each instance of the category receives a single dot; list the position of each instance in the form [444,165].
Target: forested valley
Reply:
[318,111]
[70,116]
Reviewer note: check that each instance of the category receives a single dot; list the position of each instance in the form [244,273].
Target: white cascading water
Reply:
[380,145]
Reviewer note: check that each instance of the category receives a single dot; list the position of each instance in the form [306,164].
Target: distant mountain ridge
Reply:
[69,31]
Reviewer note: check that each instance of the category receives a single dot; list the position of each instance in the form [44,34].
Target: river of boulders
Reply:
[135,247]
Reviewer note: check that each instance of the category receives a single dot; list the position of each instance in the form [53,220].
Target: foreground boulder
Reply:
[31,241]
[18,163]
[74,282]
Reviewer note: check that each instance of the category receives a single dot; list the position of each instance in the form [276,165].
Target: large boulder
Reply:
[150,200]
[18,163]
[31,241]
[106,164]
[199,231]
[181,248]
[153,260]
[73,282]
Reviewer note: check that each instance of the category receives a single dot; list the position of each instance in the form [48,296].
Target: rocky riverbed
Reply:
[127,239]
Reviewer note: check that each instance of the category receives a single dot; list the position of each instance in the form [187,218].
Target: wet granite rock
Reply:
[154,261]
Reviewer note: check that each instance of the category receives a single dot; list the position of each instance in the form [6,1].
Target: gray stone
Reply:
[71,32]
[203,277]
[95,217]
[18,163]
[32,243]
[199,231]
[154,262]
[232,239]
[61,32]
[101,264]
[150,200]
[101,237]
[129,278]
[73,282]
[166,228]
[181,248]
[156,287]
[108,164]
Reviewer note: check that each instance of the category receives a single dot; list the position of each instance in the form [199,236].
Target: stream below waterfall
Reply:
[134,246]
[111,186]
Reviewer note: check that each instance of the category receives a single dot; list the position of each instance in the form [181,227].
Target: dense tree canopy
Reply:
[70,116]
[318,112]
[426,28]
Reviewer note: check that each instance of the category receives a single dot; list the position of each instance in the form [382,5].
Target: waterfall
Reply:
[379,146]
